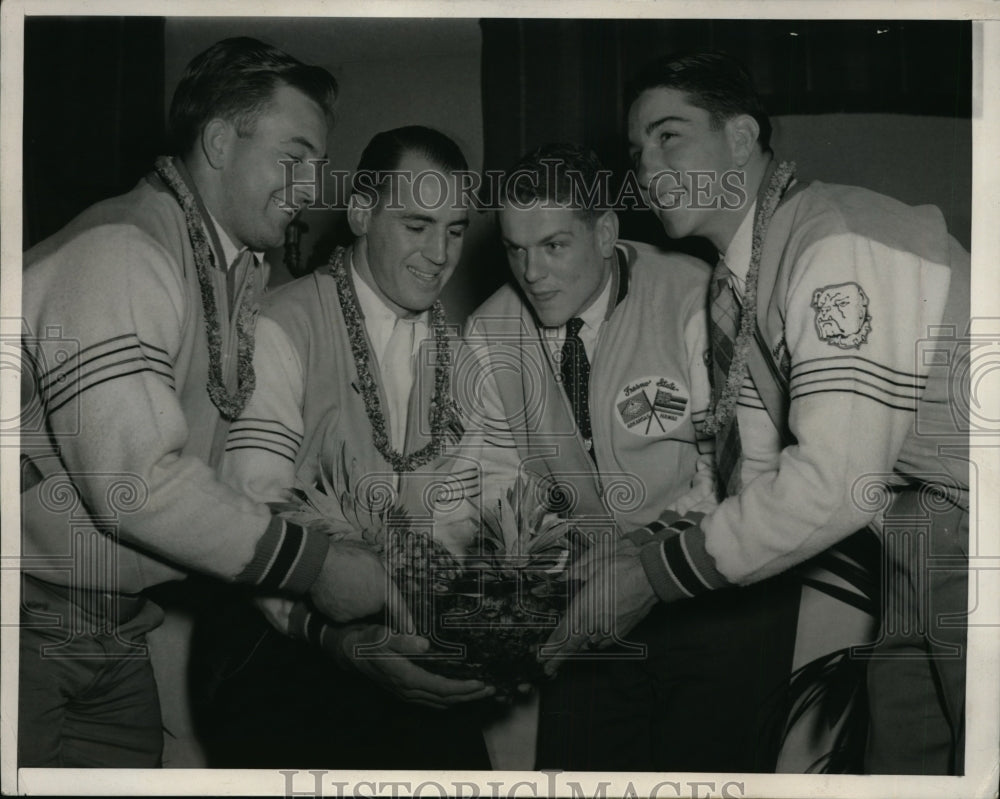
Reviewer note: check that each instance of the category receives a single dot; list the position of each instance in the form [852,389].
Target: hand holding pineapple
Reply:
[352,583]
[615,596]
[383,656]
[485,591]
[277,610]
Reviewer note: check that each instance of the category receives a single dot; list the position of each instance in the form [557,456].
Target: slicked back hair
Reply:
[713,81]
[559,174]
[235,80]
[386,150]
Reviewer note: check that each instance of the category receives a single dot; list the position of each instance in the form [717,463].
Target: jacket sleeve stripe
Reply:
[658,572]
[76,362]
[264,432]
[846,362]
[259,448]
[288,552]
[692,542]
[678,565]
[833,383]
[79,383]
[243,420]
[676,559]
[265,438]
[880,400]
[288,558]
[77,393]
[846,374]
[67,380]
[680,583]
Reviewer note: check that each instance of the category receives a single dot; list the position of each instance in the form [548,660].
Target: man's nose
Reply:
[436,249]
[643,170]
[304,194]
[302,187]
[533,267]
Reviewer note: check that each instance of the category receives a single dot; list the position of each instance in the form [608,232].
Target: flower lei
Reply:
[229,405]
[724,407]
[443,415]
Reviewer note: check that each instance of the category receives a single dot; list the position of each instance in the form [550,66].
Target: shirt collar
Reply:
[738,253]
[230,252]
[597,311]
[377,315]
[379,319]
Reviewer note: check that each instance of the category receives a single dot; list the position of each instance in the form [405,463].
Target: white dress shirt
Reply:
[230,252]
[593,317]
[380,320]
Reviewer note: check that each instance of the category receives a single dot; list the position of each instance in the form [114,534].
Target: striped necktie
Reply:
[722,328]
[575,370]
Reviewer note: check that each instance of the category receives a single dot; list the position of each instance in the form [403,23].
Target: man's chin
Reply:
[549,320]
[414,305]
[672,225]
[271,242]
[272,236]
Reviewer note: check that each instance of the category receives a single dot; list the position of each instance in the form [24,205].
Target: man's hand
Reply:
[382,655]
[615,597]
[276,609]
[352,583]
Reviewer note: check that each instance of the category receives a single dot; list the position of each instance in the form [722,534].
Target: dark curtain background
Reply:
[547,79]
[93,113]
[94,93]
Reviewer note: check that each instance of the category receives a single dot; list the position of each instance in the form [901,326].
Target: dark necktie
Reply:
[723,326]
[575,370]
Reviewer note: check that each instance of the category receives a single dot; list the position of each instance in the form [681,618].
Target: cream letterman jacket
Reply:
[853,287]
[119,486]
[649,391]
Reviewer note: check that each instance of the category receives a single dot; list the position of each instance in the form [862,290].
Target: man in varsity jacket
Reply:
[826,300]
[594,378]
[137,337]
[349,362]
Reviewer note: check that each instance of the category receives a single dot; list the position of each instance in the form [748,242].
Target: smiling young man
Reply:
[149,296]
[349,366]
[819,306]
[594,378]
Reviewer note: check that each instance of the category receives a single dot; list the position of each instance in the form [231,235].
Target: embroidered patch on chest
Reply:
[842,317]
[652,406]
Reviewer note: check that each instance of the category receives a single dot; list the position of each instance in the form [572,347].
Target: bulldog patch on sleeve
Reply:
[842,318]
[652,406]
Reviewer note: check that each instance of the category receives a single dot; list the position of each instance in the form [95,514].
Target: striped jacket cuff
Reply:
[288,558]
[654,531]
[306,624]
[678,566]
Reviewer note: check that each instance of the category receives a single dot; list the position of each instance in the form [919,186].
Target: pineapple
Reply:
[332,507]
[485,610]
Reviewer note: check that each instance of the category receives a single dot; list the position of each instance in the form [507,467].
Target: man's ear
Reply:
[606,228]
[359,214]
[743,133]
[215,141]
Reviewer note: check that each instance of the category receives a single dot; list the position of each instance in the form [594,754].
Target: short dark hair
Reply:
[386,150]
[235,80]
[559,174]
[714,81]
